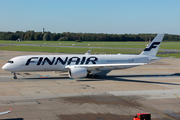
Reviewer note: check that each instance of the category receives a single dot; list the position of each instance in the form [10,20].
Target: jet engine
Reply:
[77,72]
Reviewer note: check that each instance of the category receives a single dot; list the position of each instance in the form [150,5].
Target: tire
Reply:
[90,76]
[96,76]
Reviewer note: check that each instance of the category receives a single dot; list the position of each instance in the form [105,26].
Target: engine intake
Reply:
[77,72]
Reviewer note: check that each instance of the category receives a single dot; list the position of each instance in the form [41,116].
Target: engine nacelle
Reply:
[77,72]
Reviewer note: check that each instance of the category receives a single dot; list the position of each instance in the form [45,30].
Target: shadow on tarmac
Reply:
[116,78]
[120,78]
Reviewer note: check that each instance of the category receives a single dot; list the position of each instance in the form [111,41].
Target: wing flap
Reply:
[106,65]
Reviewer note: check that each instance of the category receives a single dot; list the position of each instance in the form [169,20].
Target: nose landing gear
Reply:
[15,77]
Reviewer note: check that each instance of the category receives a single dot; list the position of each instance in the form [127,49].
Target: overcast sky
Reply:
[91,16]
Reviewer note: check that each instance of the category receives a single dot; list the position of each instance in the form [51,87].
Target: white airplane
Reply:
[6,112]
[87,65]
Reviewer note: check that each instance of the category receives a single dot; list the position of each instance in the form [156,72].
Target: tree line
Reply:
[67,36]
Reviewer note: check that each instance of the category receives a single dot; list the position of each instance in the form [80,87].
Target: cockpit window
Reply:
[10,62]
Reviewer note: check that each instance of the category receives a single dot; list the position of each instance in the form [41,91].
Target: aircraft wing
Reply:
[6,112]
[106,65]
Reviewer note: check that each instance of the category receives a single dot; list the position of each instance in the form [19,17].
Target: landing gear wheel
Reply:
[93,76]
[96,76]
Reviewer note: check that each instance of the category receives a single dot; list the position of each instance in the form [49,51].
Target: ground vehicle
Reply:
[142,116]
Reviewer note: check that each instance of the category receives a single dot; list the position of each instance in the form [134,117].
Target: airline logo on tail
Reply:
[153,45]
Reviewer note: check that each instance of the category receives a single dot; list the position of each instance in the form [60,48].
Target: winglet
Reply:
[153,47]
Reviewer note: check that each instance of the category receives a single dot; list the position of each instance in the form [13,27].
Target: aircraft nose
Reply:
[5,67]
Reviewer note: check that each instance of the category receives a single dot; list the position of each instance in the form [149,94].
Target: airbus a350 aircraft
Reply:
[87,65]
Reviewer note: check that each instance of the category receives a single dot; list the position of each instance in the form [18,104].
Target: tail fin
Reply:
[153,47]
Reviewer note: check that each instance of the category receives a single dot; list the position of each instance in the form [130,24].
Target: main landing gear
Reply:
[15,77]
[93,76]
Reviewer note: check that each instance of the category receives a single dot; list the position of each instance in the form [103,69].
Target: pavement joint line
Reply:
[117,116]
[146,108]
[177,96]
[16,114]
[79,117]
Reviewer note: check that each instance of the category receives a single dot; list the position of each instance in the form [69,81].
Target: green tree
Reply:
[38,36]
[54,37]
[31,37]
[26,36]
[63,39]
[11,37]
[46,37]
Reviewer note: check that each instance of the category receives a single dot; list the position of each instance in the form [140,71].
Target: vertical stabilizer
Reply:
[153,47]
